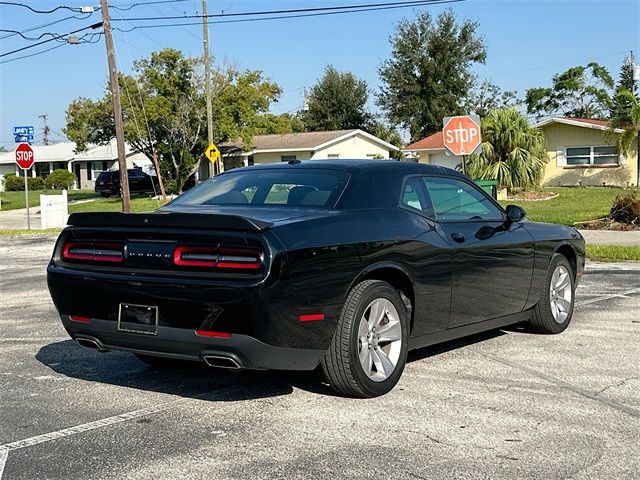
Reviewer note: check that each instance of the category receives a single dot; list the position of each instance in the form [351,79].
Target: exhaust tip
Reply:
[91,343]
[219,361]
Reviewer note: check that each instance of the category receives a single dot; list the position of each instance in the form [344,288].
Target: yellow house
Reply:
[582,153]
[335,144]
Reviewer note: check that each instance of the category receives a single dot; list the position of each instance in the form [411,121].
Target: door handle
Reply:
[458,237]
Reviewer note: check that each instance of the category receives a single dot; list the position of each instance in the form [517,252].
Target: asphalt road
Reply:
[505,404]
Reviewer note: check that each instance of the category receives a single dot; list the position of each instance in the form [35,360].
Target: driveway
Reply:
[504,404]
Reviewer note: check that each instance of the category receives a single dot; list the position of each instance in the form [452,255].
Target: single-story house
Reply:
[336,144]
[431,150]
[86,165]
[581,152]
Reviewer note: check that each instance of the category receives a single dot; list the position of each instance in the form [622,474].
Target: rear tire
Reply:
[554,310]
[369,348]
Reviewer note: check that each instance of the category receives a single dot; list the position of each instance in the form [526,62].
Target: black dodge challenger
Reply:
[343,264]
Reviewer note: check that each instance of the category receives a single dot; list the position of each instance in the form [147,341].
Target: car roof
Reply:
[356,165]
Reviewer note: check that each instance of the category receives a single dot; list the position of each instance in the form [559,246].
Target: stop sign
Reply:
[24,156]
[461,134]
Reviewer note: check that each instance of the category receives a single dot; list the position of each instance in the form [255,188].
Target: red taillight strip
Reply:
[186,262]
[311,317]
[211,333]
[225,258]
[94,252]
[78,318]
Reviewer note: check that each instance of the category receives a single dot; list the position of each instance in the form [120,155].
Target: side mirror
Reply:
[515,213]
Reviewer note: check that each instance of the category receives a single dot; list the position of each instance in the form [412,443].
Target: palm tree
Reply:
[626,117]
[513,152]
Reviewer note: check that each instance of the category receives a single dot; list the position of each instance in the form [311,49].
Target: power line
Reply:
[30,29]
[126,8]
[61,7]
[94,26]
[405,3]
[280,17]
[33,54]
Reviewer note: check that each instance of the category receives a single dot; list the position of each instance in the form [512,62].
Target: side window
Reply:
[455,200]
[415,197]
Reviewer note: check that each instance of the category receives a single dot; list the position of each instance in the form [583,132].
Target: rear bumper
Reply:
[184,344]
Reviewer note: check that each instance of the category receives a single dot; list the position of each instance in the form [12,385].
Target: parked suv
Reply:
[108,182]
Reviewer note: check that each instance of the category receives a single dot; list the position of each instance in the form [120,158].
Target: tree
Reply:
[513,152]
[489,96]
[388,134]
[164,111]
[429,72]
[580,91]
[625,96]
[338,101]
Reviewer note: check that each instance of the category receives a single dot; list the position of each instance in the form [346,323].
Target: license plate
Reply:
[141,319]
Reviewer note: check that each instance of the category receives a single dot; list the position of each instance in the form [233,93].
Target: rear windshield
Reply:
[105,176]
[314,188]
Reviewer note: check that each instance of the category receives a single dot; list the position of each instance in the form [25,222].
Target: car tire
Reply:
[367,355]
[163,363]
[554,310]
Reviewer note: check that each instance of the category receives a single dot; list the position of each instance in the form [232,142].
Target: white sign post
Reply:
[25,159]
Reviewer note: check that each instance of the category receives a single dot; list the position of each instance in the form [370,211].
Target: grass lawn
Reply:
[573,204]
[114,204]
[613,253]
[13,200]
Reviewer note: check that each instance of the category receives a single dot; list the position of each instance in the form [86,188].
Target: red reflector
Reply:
[77,318]
[311,318]
[211,333]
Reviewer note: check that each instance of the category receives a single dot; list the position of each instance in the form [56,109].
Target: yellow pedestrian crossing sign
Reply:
[212,153]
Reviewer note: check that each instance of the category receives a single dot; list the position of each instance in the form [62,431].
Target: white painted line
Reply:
[4,453]
[105,422]
[609,296]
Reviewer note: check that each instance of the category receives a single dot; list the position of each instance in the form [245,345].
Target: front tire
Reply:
[369,348]
[554,310]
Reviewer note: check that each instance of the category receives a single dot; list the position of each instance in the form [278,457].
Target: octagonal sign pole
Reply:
[461,135]
[25,159]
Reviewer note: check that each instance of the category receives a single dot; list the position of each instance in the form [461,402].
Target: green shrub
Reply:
[61,178]
[35,183]
[13,183]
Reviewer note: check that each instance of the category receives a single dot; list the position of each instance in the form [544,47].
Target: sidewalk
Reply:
[611,237]
[17,219]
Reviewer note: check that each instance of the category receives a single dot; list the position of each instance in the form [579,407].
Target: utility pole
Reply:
[117,107]
[45,130]
[207,78]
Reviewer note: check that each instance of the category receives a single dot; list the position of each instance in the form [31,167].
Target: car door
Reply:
[492,260]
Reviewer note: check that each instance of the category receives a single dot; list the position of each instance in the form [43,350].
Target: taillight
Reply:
[217,258]
[93,252]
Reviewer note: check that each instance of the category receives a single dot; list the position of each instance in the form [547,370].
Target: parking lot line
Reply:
[622,294]
[561,383]
[105,422]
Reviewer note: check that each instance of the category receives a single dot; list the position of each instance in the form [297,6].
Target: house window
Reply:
[96,168]
[42,170]
[603,155]
[333,156]
[287,158]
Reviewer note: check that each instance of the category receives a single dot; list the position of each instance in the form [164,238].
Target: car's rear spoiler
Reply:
[168,220]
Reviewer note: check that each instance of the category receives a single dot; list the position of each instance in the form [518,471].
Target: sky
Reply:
[527,41]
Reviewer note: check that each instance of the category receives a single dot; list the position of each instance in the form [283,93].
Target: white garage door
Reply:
[443,160]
